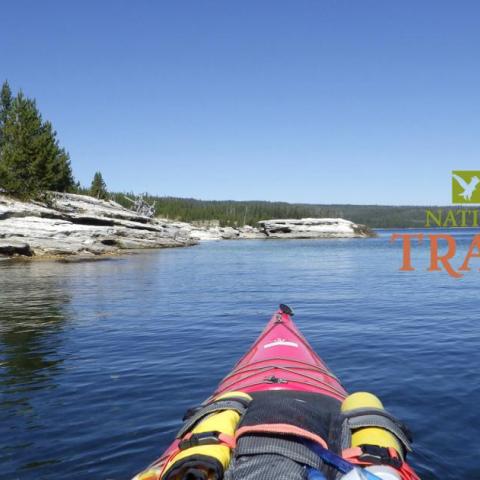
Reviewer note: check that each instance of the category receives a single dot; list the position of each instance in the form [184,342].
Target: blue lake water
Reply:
[99,360]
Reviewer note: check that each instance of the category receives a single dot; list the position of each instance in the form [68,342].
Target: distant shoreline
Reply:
[85,227]
[239,212]
[68,224]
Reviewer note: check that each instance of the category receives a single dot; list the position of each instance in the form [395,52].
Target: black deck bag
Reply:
[277,456]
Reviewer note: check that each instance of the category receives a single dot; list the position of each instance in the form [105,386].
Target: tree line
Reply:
[239,213]
[228,213]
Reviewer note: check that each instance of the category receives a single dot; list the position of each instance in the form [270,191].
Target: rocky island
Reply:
[313,228]
[284,228]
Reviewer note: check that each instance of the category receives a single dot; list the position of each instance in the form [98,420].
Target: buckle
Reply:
[204,438]
[379,456]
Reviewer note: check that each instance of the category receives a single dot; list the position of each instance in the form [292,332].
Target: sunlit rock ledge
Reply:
[283,228]
[225,233]
[313,228]
[69,224]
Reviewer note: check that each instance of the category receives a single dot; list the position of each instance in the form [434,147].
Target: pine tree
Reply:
[31,160]
[53,167]
[98,188]
[19,147]
[5,106]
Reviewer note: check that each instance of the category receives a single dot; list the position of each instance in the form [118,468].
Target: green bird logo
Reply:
[468,187]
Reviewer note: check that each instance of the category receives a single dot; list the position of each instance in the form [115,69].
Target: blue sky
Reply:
[317,101]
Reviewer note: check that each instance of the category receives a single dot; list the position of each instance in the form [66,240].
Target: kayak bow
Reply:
[282,391]
[282,359]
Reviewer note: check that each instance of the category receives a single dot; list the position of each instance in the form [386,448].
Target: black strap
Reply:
[203,438]
[217,406]
[191,411]
[378,456]
[360,412]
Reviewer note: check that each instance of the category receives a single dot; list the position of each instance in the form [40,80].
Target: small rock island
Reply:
[313,228]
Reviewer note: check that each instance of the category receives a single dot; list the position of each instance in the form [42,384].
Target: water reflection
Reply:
[32,317]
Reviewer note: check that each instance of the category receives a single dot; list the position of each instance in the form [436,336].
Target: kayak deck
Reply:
[282,359]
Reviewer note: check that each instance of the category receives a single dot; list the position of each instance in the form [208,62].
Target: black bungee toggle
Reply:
[286,309]
[377,455]
[197,439]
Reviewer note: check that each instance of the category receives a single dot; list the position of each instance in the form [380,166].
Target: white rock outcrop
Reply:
[249,232]
[281,228]
[71,224]
[313,228]
[213,233]
[205,233]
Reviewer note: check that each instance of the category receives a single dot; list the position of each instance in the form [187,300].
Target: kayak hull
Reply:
[282,359]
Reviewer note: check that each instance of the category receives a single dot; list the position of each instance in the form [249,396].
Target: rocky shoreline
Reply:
[78,225]
[69,224]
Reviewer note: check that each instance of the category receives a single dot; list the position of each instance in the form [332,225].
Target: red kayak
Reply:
[280,360]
